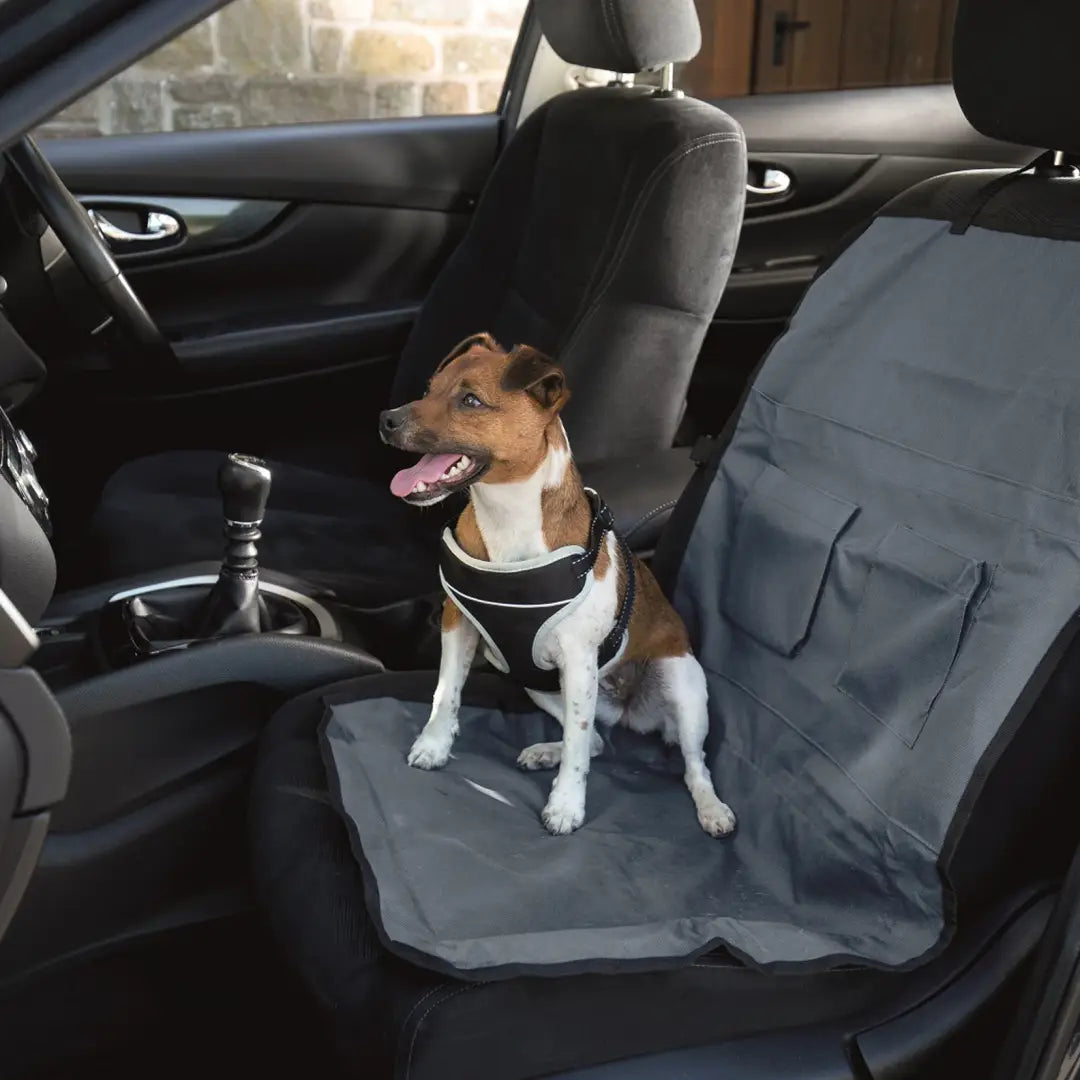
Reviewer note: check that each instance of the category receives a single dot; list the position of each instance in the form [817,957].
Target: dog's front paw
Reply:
[564,812]
[430,751]
[716,818]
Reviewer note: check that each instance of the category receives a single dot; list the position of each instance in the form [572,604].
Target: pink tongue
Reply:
[430,467]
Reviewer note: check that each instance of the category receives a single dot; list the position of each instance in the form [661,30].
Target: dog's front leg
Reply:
[565,809]
[459,639]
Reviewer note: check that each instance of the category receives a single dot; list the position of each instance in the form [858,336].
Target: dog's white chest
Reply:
[585,626]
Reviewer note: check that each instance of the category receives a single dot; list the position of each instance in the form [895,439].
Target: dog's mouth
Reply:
[435,476]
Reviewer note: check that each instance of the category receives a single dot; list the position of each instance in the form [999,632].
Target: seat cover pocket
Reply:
[908,629]
[783,541]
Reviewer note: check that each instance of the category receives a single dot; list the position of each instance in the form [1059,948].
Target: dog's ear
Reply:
[462,347]
[538,375]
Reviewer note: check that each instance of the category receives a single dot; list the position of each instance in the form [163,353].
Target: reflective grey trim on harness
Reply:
[516,605]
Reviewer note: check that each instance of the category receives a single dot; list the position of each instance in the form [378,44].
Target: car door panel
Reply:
[844,155]
[359,266]
[304,254]
[428,163]
[342,225]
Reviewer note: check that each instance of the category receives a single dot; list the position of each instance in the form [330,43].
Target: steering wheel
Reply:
[88,250]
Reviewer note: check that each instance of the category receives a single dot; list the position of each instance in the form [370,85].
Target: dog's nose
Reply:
[392,419]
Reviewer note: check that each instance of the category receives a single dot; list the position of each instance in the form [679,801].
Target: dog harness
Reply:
[515,606]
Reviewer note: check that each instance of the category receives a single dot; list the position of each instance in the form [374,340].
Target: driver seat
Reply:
[587,244]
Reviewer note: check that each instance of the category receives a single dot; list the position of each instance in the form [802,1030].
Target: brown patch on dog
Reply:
[603,565]
[484,340]
[451,615]
[467,534]
[656,630]
[565,510]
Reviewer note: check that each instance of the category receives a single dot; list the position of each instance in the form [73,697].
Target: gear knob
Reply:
[244,483]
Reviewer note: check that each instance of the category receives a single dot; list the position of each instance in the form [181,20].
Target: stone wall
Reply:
[260,62]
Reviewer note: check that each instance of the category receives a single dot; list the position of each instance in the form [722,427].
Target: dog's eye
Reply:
[471,401]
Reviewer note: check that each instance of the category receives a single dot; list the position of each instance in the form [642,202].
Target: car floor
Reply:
[215,1002]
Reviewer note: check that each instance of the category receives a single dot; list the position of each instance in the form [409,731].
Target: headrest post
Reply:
[667,83]
[1056,166]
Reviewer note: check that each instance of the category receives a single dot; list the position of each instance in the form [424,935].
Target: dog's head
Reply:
[485,414]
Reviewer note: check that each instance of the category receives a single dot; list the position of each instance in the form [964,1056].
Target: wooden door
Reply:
[916,37]
[798,45]
[864,59]
[769,46]
[722,68]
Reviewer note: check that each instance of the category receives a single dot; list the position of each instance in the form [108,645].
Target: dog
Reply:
[490,424]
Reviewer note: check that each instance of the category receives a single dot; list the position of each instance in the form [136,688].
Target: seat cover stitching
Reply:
[635,218]
[457,992]
[416,1005]
[616,34]
[651,514]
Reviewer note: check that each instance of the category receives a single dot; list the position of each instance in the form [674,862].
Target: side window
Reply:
[775,46]
[258,63]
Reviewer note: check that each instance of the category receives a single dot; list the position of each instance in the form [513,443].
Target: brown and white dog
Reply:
[490,422]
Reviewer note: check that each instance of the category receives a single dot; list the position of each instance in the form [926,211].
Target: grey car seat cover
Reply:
[889,547]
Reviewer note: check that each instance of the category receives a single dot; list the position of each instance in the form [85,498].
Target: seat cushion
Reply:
[394,1019]
[345,532]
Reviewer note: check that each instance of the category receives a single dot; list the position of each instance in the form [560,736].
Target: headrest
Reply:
[1014,70]
[621,35]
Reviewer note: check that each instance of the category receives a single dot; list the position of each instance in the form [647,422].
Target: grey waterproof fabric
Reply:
[888,549]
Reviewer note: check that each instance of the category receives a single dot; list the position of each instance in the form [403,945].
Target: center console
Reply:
[165,681]
[198,607]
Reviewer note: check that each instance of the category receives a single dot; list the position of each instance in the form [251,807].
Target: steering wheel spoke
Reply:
[90,253]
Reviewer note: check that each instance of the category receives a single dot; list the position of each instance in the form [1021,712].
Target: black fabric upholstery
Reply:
[347,533]
[394,1019]
[605,237]
[1013,70]
[621,35]
[642,492]
[1028,205]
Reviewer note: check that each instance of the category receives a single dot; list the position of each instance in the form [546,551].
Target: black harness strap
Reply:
[512,603]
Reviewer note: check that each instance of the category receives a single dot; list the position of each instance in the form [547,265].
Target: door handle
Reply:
[774,184]
[159,226]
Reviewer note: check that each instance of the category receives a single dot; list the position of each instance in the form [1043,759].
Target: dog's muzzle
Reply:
[392,424]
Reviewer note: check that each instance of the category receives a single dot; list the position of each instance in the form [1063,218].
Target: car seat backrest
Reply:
[605,234]
[882,566]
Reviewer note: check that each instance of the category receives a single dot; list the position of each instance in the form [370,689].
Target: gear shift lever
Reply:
[234,606]
[162,620]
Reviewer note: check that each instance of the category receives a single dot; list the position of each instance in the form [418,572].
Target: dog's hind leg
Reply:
[682,715]
[548,755]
